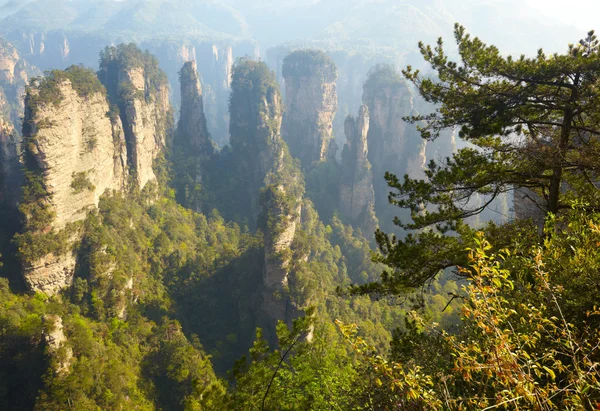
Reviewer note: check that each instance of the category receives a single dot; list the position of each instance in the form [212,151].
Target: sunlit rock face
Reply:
[140,91]
[357,198]
[79,154]
[311,103]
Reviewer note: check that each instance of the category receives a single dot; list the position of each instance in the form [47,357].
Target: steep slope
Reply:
[10,167]
[311,105]
[73,154]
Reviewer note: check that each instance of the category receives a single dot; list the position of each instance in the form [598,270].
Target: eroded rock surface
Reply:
[78,154]
[140,90]
[311,104]
[57,342]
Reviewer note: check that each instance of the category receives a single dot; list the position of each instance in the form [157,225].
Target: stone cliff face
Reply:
[392,141]
[140,90]
[311,104]
[78,154]
[73,142]
[56,340]
[266,165]
[214,62]
[14,75]
[356,197]
[192,132]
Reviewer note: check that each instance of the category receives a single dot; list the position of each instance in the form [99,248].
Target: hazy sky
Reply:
[583,14]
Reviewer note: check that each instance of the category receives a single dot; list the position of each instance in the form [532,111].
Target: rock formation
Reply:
[311,104]
[266,165]
[394,144]
[192,133]
[10,167]
[74,153]
[357,197]
[140,91]
[14,75]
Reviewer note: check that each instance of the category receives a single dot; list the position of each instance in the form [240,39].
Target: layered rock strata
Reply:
[57,343]
[77,154]
[311,104]
[140,90]
[356,197]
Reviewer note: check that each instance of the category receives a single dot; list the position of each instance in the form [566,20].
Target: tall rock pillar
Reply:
[73,154]
[192,132]
[394,144]
[272,184]
[356,197]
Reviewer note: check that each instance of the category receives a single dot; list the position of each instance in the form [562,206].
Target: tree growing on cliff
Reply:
[533,124]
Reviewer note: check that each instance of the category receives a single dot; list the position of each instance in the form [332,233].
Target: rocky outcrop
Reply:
[192,133]
[140,90]
[74,153]
[266,166]
[356,197]
[311,104]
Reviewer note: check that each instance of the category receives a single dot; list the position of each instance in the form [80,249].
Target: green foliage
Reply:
[124,58]
[81,183]
[45,91]
[383,76]
[22,359]
[529,339]
[297,375]
[523,131]
[309,63]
